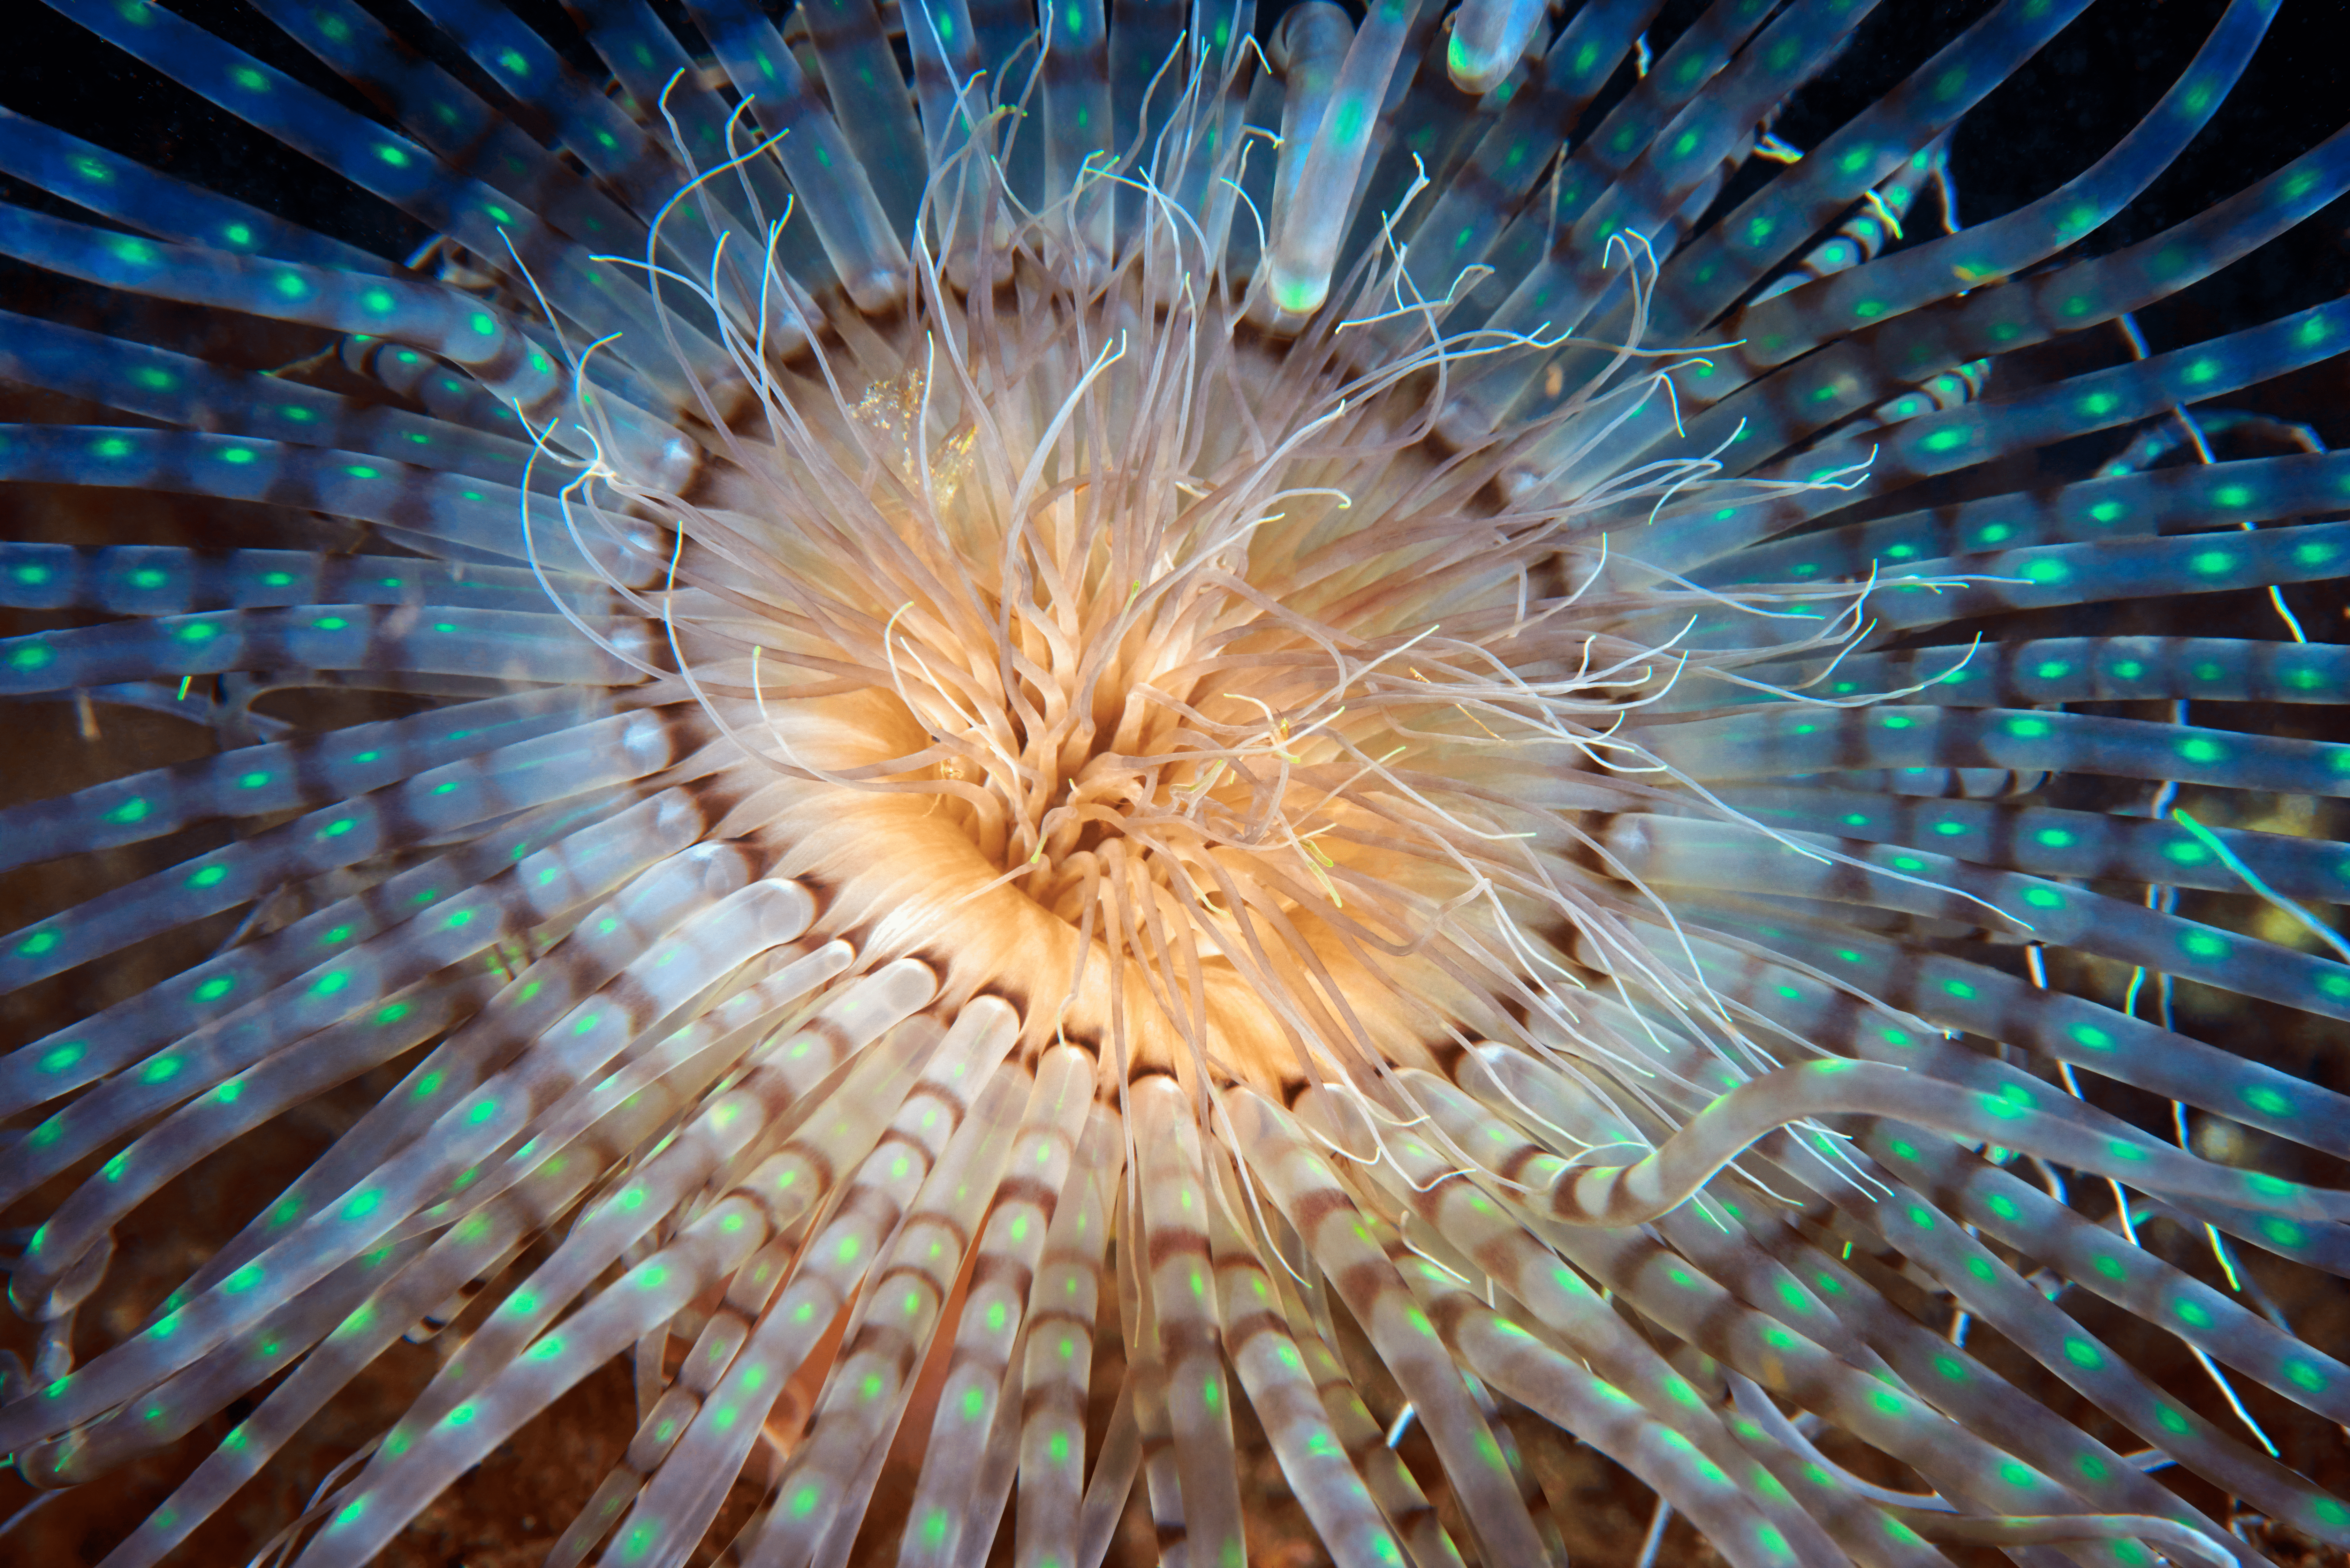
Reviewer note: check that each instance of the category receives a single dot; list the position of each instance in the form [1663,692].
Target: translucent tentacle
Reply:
[2047,841]
[254,780]
[1300,1185]
[1781,742]
[831,1474]
[1057,1359]
[1172,1183]
[994,1314]
[576,762]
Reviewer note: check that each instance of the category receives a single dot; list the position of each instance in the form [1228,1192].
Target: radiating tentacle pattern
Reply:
[1093,765]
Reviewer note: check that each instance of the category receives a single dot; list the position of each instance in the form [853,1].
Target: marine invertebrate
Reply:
[1303,708]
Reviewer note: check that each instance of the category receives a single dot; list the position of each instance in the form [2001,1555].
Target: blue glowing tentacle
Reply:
[1311,45]
[1786,1337]
[594,951]
[2000,1298]
[432,317]
[1786,322]
[870,96]
[719,927]
[961,141]
[830,184]
[679,1065]
[496,227]
[915,1121]
[889,1331]
[1983,432]
[666,90]
[167,1412]
[190,393]
[978,1385]
[2235,494]
[1720,856]
[1726,1500]
[1527,272]
[1469,215]
[1953,993]
[626,969]
[450,120]
[649,1294]
[1981,1194]
[1861,238]
[1762,232]
[305,772]
[353,1345]
[1643,163]
[291,991]
[424,504]
[1939,1426]
[2088,574]
[1266,1358]
[553,768]
[221,1300]
[1145,76]
[2010,244]
[503,645]
[131,193]
[1364,1441]
[168,580]
[650,64]
[1781,741]
[1413,1177]
[2096,668]
[1489,38]
[1952,1380]
[2045,841]
[1428,130]
[238,1103]
[1302,250]
[1144,1396]
[1170,1198]
[1616,1196]
[1299,1182]
[845,1026]
[1867,365]
[1213,121]
[615,147]
[1076,129]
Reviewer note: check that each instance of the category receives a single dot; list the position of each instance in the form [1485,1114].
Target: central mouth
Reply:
[1202,698]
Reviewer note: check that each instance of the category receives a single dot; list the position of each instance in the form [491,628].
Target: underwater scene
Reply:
[820,783]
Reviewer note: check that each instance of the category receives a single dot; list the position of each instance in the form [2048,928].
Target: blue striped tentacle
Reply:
[485,221]
[1470,211]
[870,96]
[552,768]
[1643,163]
[172,580]
[128,193]
[275,992]
[479,516]
[830,185]
[2165,501]
[308,770]
[504,645]
[188,392]
[2048,841]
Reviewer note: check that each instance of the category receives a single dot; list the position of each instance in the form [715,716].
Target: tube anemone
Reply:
[1049,752]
